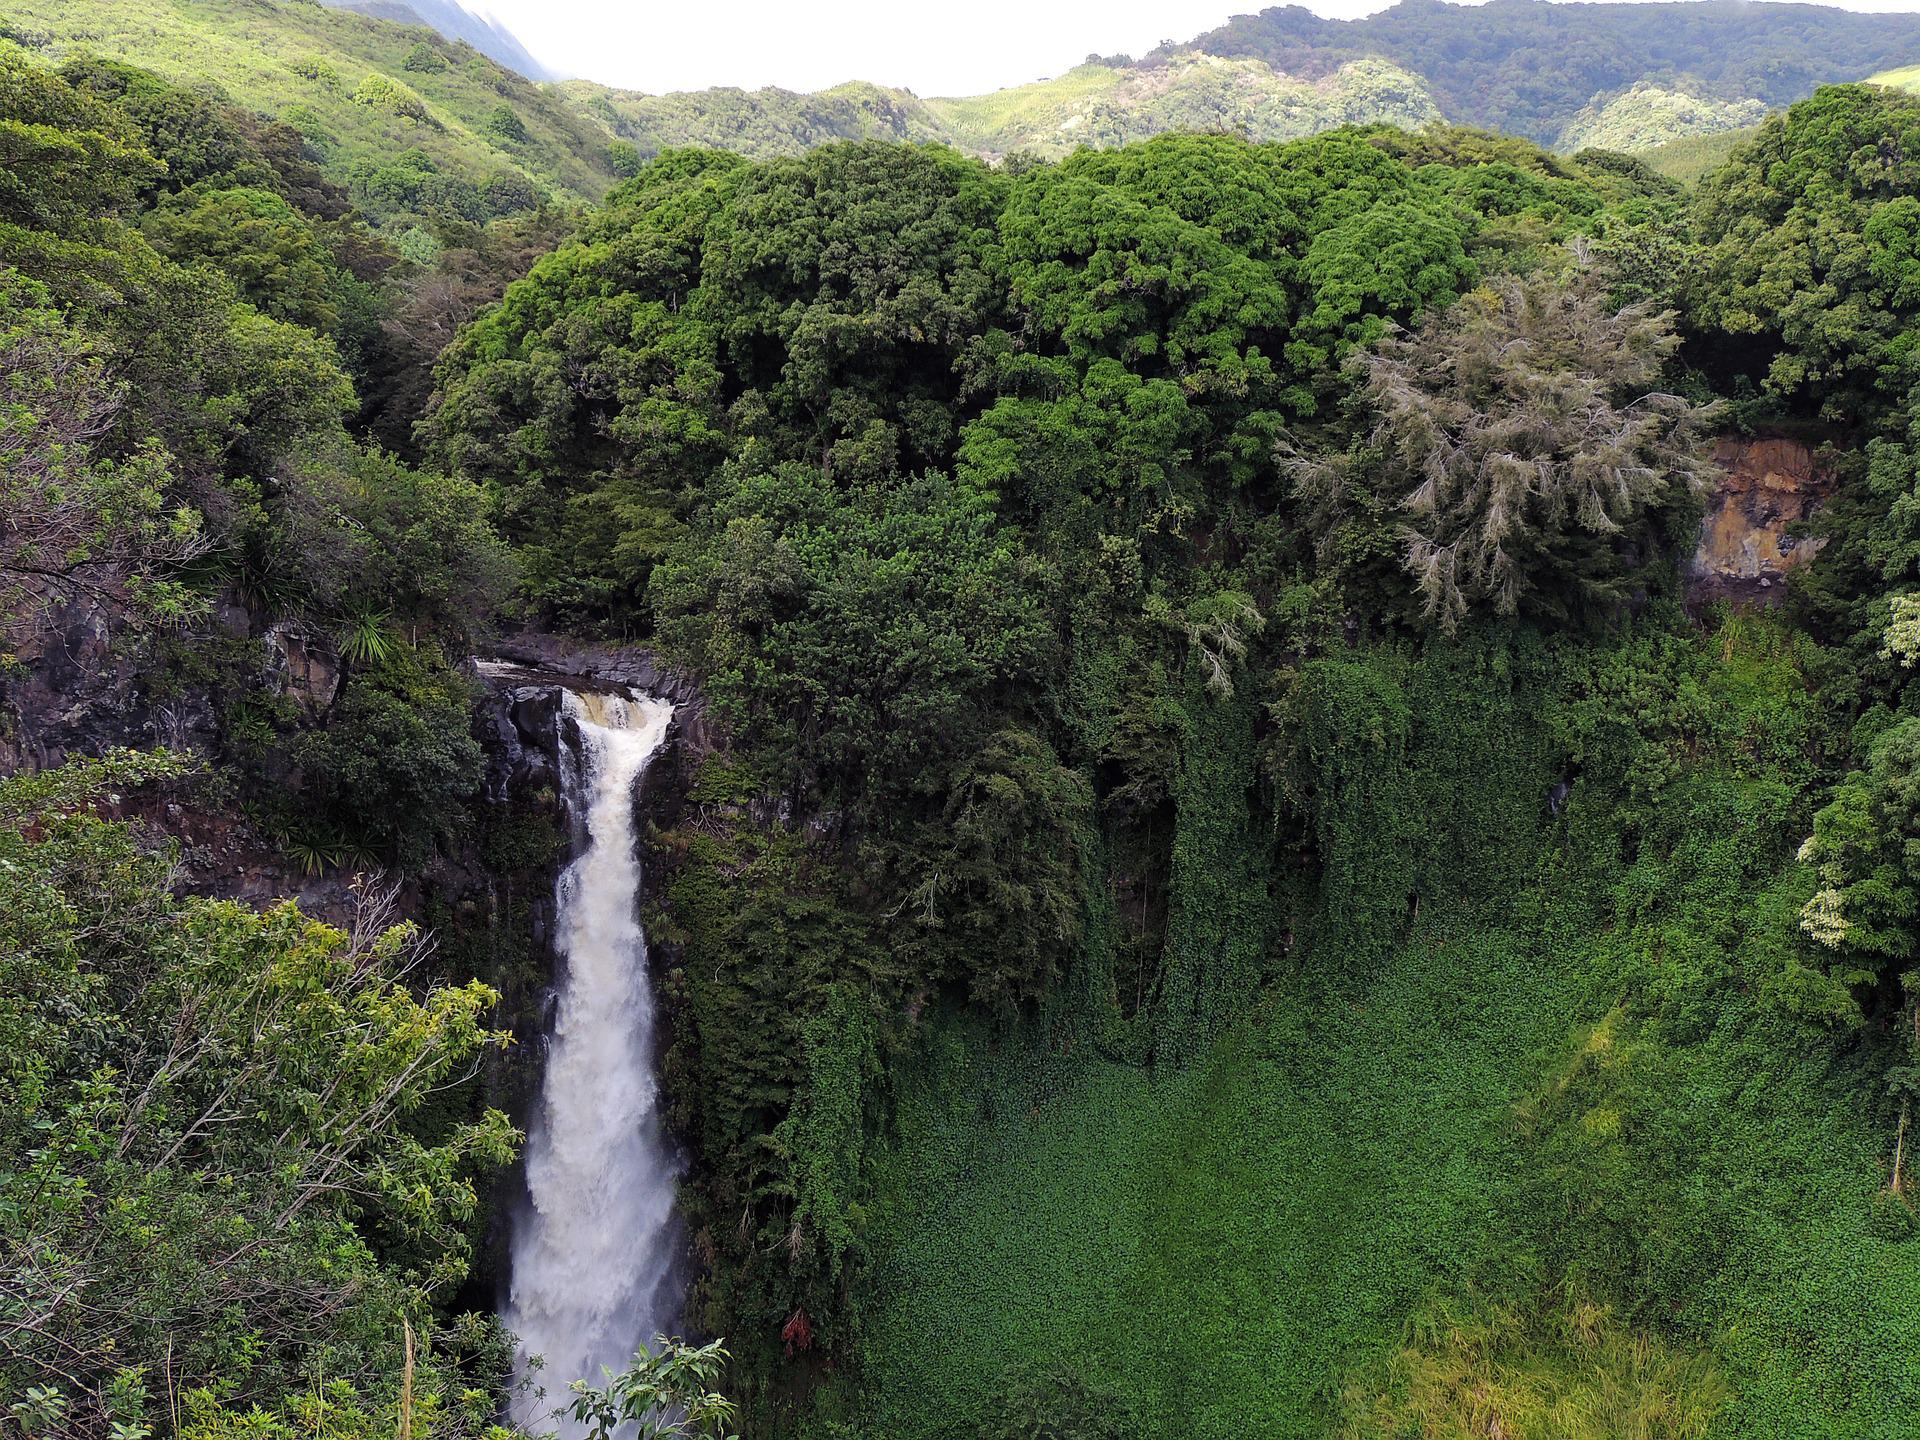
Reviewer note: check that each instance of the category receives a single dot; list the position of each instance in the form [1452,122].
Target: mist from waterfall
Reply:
[593,1256]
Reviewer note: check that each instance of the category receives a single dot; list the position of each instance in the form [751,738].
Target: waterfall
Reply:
[592,1255]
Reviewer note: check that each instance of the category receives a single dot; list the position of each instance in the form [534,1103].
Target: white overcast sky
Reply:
[932,47]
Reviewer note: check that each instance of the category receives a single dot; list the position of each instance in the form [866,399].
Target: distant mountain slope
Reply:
[1093,104]
[411,122]
[1101,105]
[1531,67]
[455,22]
[759,123]
[1650,115]
[1627,76]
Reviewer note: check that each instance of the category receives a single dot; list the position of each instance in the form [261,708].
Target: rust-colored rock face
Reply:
[1745,551]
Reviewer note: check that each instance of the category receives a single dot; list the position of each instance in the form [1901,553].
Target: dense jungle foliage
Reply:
[1232,891]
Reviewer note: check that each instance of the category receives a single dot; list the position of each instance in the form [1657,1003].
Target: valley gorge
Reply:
[1192,786]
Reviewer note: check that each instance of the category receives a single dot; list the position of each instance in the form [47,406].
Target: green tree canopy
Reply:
[1811,236]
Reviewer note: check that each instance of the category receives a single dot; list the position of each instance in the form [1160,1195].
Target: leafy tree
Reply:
[384,93]
[272,254]
[1863,843]
[205,1170]
[66,157]
[852,631]
[413,182]
[1232,271]
[424,59]
[504,124]
[510,193]
[813,309]
[666,1394]
[422,546]
[193,135]
[1810,233]
[73,524]
[623,159]
[396,760]
[1522,435]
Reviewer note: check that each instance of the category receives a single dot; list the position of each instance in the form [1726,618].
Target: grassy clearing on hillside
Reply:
[1287,1240]
[1007,119]
[1222,1245]
[1907,77]
[1687,161]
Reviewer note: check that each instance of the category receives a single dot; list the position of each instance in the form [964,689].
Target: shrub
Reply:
[504,126]
[379,92]
[424,59]
[396,761]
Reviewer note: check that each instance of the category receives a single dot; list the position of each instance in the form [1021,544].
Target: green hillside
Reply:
[1093,104]
[1692,159]
[760,123]
[1649,115]
[1101,105]
[1907,77]
[414,123]
[409,121]
[1025,116]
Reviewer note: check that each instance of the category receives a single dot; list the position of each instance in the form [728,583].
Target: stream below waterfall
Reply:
[593,1250]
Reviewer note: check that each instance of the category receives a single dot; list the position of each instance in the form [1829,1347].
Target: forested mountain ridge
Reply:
[412,121]
[1225,880]
[1526,67]
[1092,104]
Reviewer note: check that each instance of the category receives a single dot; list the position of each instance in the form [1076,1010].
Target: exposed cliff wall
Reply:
[83,682]
[1770,484]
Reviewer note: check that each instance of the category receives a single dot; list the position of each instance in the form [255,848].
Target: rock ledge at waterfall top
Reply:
[581,664]
[518,732]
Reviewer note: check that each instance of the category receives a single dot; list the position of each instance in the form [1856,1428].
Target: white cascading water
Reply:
[593,1255]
